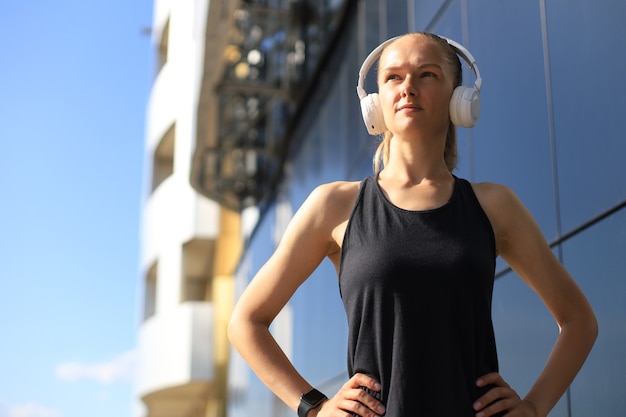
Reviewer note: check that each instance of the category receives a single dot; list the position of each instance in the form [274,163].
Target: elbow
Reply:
[592,330]
[586,326]
[239,330]
[245,328]
[233,330]
[594,327]
[591,325]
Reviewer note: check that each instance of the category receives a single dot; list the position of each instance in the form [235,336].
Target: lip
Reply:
[409,107]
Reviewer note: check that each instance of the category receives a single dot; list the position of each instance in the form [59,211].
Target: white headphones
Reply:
[464,104]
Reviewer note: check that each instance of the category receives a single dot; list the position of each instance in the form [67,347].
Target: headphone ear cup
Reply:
[373,114]
[465,106]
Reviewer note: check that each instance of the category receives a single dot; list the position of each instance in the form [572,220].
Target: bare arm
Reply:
[304,245]
[312,235]
[522,245]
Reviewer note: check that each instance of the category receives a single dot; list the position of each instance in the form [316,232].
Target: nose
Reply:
[408,89]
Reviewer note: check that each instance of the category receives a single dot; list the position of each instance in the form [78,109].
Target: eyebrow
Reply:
[398,67]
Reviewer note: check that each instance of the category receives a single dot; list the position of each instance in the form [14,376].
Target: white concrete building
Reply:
[180,228]
[228,75]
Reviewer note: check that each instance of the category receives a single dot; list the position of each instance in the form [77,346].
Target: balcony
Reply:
[162,106]
[176,370]
[261,61]
[166,217]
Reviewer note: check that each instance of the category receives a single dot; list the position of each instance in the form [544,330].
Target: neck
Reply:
[416,160]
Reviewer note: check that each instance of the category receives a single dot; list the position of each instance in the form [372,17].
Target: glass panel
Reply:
[447,22]
[397,18]
[320,158]
[588,64]
[426,13]
[596,260]
[360,146]
[511,142]
[525,333]
[247,394]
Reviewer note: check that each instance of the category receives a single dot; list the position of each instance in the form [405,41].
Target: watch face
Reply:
[313,397]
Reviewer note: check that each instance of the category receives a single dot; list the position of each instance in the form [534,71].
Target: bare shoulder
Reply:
[512,223]
[333,196]
[330,204]
[494,196]
[503,208]
[336,193]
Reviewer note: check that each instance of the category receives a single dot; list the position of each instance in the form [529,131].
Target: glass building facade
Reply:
[550,128]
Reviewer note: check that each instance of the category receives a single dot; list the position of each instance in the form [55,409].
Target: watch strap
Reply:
[309,401]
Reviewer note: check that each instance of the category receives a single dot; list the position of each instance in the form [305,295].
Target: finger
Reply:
[492,378]
[359,408]
[362,411]
[497,394]
[364,380]
[496,408]
[371,399]
[362,390]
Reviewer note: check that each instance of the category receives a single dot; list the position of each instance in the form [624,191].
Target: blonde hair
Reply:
[381,156]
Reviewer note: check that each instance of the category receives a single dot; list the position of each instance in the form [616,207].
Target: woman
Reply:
[414,248]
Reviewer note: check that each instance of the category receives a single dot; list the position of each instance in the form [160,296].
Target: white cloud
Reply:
[31,410]
[119,369]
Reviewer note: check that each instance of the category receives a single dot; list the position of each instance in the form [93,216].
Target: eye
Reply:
[427,74]
[392,77]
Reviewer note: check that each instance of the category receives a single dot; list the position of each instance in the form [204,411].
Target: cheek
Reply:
[442,100]
[387,99]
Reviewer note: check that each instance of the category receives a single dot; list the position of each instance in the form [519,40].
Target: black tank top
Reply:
[417,287]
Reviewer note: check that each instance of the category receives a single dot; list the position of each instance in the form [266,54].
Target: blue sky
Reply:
[74,83]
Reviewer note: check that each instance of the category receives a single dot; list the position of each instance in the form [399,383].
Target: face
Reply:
[415,84]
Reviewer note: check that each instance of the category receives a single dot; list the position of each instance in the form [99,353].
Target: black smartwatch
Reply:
[310,400]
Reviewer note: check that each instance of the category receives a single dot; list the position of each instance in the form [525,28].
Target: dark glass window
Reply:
[511,142]
[525,333]
[588,66]
[596,260]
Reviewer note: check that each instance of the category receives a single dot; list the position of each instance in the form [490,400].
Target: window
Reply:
[164,45]
[198,270]
[150,289]
[163,162]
